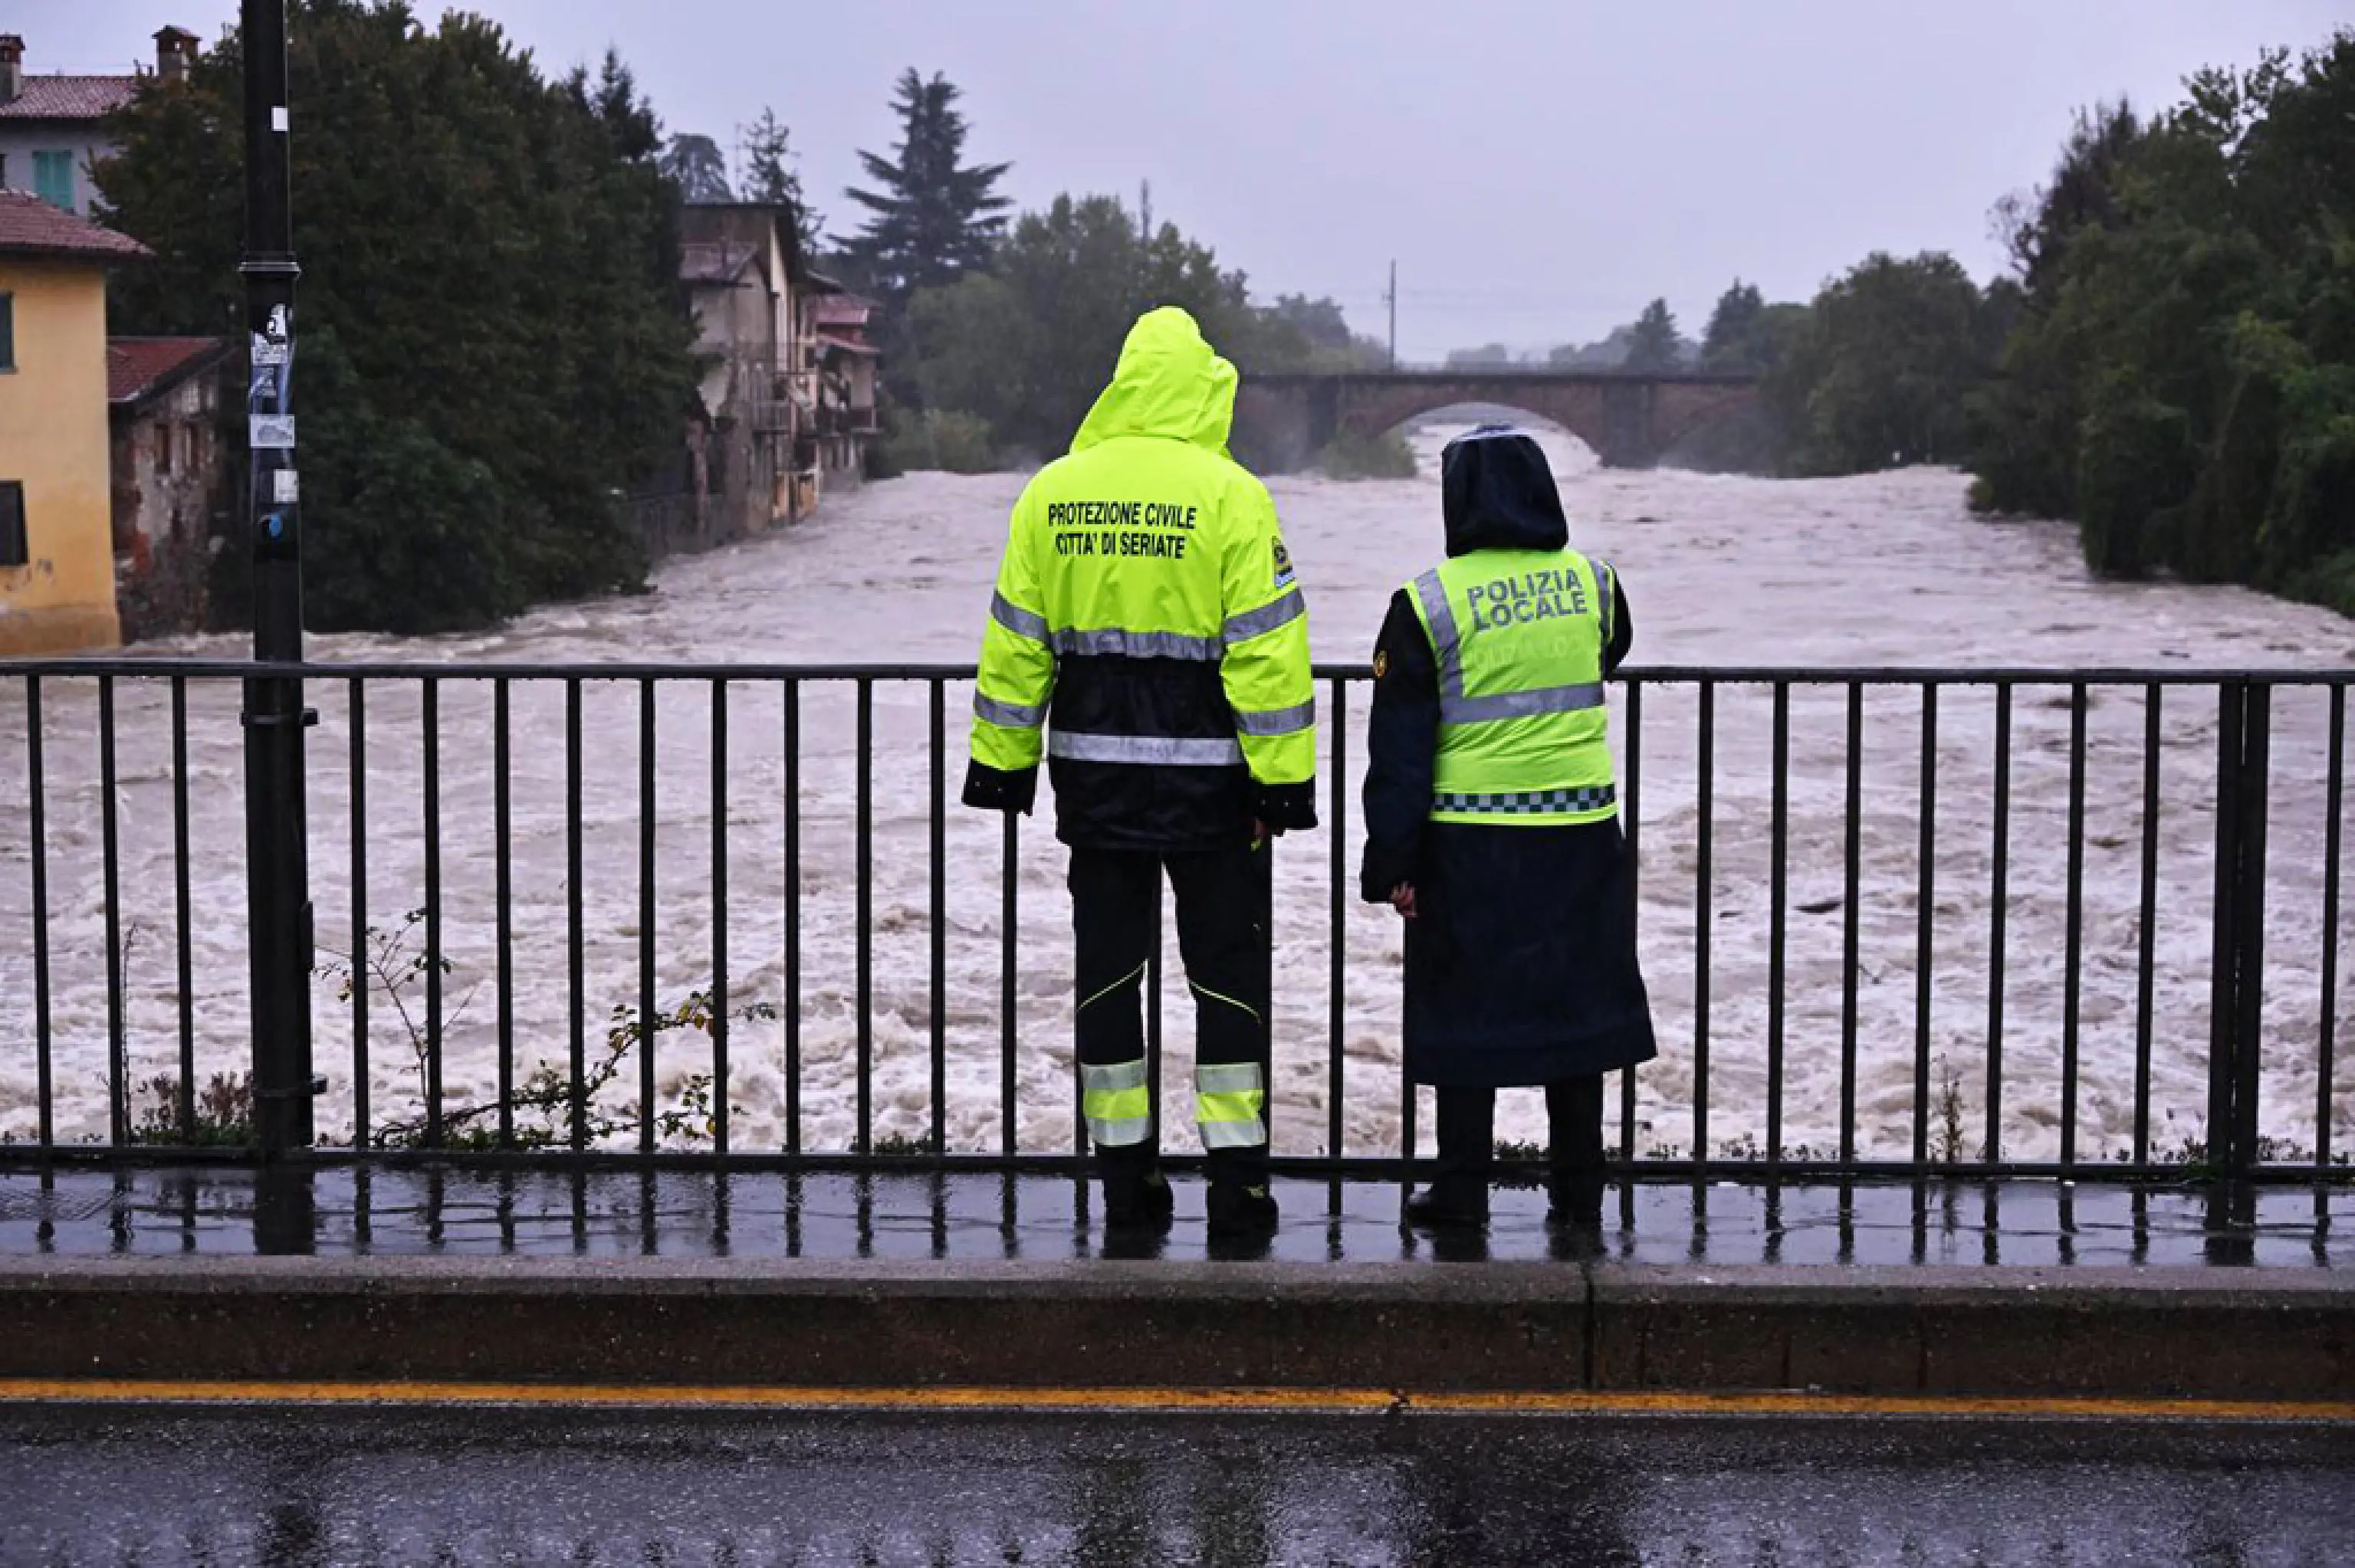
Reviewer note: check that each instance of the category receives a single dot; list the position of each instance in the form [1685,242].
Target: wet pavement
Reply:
[472,1212]
[315,1488]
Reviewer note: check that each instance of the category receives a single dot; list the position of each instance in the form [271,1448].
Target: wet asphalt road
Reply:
[316,1487]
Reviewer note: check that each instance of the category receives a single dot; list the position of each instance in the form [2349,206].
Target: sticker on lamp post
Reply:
[285,487]
[271,433]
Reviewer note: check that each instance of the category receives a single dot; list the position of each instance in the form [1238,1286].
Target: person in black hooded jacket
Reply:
[1492,825]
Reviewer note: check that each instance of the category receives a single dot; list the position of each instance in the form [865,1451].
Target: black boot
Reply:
[1574,1182]
[1446,1205]
[1576,1199]
[1240,1212]
[1136,1194]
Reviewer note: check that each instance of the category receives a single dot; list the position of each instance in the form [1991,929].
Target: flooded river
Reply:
[1886,570]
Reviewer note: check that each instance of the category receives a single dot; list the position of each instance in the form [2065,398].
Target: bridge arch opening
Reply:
[1425,434]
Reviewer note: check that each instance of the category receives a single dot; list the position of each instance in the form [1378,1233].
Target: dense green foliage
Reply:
[933,218]
[493,344]
[1027,343]
[2181,377]
[1654,346]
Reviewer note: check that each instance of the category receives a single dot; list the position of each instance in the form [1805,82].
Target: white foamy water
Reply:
[1884,570]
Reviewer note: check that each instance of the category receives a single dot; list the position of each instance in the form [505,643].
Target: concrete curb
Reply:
[2187,1333]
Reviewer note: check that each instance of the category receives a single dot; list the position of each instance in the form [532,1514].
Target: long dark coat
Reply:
[1520,963]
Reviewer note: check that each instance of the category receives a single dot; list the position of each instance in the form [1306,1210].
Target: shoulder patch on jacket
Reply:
[1382,662]
[1283,576]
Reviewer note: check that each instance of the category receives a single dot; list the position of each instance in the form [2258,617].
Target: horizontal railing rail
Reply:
[1902,921]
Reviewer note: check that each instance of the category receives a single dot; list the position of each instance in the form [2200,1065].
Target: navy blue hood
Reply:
[1497,492]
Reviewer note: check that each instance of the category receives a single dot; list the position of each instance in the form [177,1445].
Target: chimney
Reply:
[12,66]
[176,51]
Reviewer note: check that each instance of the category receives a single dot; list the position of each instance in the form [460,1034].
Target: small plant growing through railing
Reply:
[540,1109]
[904,1146]
[1946,1143]
[224,1113]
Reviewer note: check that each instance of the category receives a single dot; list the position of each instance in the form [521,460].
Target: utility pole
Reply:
[1392,298]
[278,872]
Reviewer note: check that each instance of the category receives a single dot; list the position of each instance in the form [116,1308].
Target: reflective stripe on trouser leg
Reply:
[1229,1098]
[1117,1101]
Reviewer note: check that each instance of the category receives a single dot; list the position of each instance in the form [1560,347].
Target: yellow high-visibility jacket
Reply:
[1148,634]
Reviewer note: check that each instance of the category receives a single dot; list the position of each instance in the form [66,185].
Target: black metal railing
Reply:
[1896,921]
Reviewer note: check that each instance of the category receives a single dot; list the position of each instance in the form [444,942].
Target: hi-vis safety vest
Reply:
[1524,737]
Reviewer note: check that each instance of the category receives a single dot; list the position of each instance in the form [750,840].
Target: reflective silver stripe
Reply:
[1111,1078]
[1138,644]
[1520,705]
[1233,1134]
[1146,750]
[1118,1132]
[1530,803]
[1013,716]
[1016,619]
[1259,623]
[1278,721]
[1229,1078]
[1444,641]
[1606,588]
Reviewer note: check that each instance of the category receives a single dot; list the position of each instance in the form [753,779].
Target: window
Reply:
[53,178]
[7,332]
[165,434]
[14,548]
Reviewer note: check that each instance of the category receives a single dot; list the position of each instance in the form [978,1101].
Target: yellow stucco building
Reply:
[56,550]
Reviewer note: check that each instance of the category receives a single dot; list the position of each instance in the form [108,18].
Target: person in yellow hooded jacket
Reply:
[1149,638]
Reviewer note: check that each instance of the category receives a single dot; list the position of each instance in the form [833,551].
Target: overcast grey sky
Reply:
[1538,168]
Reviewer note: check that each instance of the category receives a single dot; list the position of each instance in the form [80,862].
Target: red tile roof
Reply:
[829,342]
[70,97]
[139,367]
[841,310]
[30,225]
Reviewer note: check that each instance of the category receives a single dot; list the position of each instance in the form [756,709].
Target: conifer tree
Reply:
[932,217]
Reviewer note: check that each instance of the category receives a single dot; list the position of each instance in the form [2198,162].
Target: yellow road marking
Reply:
[1272,1401]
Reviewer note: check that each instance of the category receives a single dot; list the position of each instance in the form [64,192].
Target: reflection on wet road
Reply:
[333,1488]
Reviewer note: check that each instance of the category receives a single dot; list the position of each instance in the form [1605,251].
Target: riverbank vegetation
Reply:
[493,341]
[2169,360]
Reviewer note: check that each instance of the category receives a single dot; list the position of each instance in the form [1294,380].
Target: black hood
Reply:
[1497,492]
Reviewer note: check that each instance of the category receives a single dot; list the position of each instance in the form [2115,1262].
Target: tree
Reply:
[493,343]
[1654,346]
[1880,374]
[772,178]
[933,218]
[697,167]
[1731,342]
[1028,344]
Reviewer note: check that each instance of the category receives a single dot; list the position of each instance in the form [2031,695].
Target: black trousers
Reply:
[1223,940]
[1467,1143]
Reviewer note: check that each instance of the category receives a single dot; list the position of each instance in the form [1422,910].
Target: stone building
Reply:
[170,467]
[52,127]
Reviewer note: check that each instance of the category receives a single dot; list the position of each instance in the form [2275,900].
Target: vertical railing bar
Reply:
[1704,810]
[44,1108]
[502,852]
[429,723]
[1634,828]
[1926,923]
[719,1074]
[2326,1044]
[1009,1000]
[2073,979]
[2146,942]
[118,1065]
[1852,855]
[576,922]
[2222,1007]
[183,913]
[939,1042]
[649,910]
[793,894]
[1778,880]
[866,889]
[1998,899]
[2258,805]
[362,1111]
[1338,1022]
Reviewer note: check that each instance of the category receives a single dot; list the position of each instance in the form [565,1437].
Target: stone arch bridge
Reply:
[1631,421]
